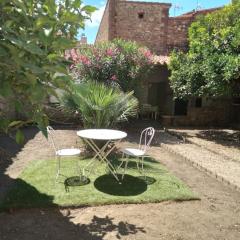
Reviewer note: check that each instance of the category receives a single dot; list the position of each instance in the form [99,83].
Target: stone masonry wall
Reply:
[103,31]
[147,23]
[177,34]
[143,22]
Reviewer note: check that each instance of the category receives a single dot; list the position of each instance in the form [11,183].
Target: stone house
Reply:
[149,24]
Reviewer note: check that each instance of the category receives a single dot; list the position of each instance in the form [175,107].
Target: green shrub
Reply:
[119,62]
[33,38]
[100,106]
[211,67]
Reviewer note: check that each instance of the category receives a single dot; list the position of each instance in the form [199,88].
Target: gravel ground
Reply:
[225,142]
[216,216]
[224,168]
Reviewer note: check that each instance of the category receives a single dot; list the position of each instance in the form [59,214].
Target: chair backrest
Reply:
[51,133]
[146,138]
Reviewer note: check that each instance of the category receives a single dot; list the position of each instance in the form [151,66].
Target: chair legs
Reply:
[125,168]
[139,162]
[142,159]
[58,168]
[142,165]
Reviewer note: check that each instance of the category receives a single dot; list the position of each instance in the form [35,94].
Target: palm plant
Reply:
[100,106]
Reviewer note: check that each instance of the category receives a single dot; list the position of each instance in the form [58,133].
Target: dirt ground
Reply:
[215,216]
[225,142]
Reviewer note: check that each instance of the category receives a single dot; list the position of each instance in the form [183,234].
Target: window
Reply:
[141,15]
[198,103]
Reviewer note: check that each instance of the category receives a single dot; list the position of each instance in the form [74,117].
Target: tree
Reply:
[211,67]
[33,38]
[119,62]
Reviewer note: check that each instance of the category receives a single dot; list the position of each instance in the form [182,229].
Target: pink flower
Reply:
[110,52]
[114,78]
[147,54]
[73,54]
[85,60]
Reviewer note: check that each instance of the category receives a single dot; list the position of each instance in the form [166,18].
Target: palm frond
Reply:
[101,106]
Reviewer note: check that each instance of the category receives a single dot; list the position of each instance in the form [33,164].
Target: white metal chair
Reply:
[145,140]
[66,152]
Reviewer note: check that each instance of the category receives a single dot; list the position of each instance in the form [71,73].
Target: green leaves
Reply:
[89,9]
[211,67]
[19,137]
[51,7]
[63,43]
[33,38]
[100,106]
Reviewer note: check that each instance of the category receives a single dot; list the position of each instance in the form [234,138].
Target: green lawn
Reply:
[36,186]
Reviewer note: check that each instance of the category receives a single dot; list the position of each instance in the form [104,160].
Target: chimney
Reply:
[83,39]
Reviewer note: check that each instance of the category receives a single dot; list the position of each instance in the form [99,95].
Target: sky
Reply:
[178,7]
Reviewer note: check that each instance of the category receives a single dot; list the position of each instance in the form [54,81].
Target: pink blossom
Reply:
[148,54]
[85,60]
[110,52]
[73,54]
[114,78]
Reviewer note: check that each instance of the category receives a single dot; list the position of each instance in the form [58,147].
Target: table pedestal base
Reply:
[102,154]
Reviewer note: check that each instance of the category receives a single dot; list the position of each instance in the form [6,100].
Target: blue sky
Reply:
[181,6]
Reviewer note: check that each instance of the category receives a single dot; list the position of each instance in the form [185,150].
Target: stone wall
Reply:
[177,34]
[103,30]
[145,23]
[214,112]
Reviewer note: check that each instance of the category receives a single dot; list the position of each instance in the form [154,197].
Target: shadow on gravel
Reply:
[8,150]
[226,138]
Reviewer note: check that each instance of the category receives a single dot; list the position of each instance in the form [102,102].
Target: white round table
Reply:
[108,135]
[102,134]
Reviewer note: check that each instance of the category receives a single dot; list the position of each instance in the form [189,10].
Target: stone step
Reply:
[233,155]
[215,164]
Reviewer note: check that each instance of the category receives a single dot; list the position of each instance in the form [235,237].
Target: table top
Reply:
[102,134]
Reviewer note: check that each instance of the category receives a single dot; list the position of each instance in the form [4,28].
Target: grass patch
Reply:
[36,186]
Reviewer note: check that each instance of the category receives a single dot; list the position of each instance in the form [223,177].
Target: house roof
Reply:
[193,13]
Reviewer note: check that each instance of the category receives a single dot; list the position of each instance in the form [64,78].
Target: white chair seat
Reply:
[133,152]
[68,152]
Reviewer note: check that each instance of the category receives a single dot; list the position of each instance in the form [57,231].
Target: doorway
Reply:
[180,107]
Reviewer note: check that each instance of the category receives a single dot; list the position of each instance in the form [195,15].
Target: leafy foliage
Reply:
[33,37]
[100,106]
[212,64]
[118,62]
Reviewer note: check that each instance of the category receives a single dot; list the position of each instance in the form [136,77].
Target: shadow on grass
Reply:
[75,181]
[148,169]
[130,186]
